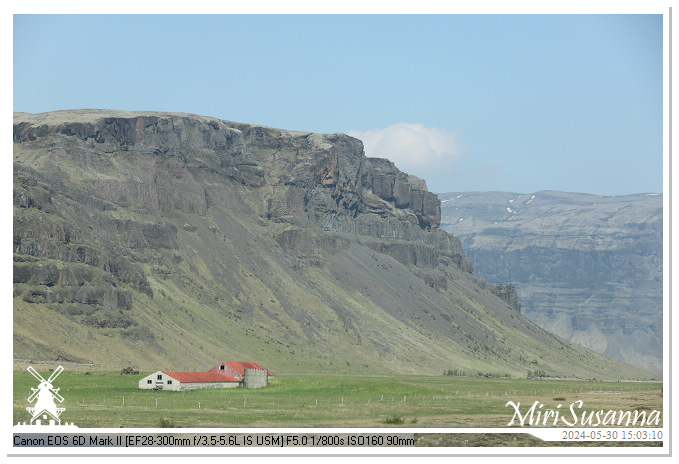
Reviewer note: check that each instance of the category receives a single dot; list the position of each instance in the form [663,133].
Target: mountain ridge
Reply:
[164,239]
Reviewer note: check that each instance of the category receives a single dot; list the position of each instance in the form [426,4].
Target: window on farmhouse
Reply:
[169,382]
[160,376]
[149,381]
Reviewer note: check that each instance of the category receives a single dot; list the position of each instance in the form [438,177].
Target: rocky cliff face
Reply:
[301,179]
[325,178]
[170,240]
[586,267]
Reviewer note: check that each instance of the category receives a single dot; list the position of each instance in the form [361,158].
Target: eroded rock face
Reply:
[586,267]
[303,176]
[85,165]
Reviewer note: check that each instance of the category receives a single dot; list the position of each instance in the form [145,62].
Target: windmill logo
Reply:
[45,407]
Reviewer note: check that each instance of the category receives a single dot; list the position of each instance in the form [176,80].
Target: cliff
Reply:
[170,240]
[586,267]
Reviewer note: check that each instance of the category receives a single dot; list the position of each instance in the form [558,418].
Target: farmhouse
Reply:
[229,374]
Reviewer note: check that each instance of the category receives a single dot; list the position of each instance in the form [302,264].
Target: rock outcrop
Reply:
[326,178]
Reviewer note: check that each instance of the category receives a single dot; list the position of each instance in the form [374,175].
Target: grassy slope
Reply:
[235,295]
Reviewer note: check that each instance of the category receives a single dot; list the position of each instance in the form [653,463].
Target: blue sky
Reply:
[468,102]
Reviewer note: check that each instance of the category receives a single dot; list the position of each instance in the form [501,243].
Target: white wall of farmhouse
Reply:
[159,381]
[162,381]
[194,385]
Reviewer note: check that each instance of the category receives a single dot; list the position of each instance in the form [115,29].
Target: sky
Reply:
[517,103]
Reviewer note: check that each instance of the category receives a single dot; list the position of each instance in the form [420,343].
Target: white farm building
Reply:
[229,374]
[179,381]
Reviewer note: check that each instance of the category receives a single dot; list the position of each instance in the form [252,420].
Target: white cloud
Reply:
[414,149]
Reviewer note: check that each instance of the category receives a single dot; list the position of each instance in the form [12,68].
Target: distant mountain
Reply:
[176,241]
[586,267]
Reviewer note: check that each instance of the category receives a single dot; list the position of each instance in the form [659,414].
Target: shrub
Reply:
[393,420]
[165,423]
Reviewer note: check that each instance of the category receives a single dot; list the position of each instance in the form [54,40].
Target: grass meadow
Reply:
[107,399]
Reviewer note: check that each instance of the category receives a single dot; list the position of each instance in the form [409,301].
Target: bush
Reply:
[393,420]
[166,423]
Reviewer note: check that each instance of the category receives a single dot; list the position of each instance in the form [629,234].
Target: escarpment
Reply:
[586,267]
[323,176]
[165,162]
[167,239]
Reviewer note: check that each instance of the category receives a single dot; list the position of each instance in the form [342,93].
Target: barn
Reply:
[237,368]
[228,374]
[180,381]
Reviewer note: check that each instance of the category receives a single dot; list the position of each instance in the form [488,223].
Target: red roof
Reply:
[194,377]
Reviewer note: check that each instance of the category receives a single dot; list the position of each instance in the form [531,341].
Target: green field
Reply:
[108,399]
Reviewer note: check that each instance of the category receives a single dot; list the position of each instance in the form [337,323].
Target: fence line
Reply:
[374,401]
